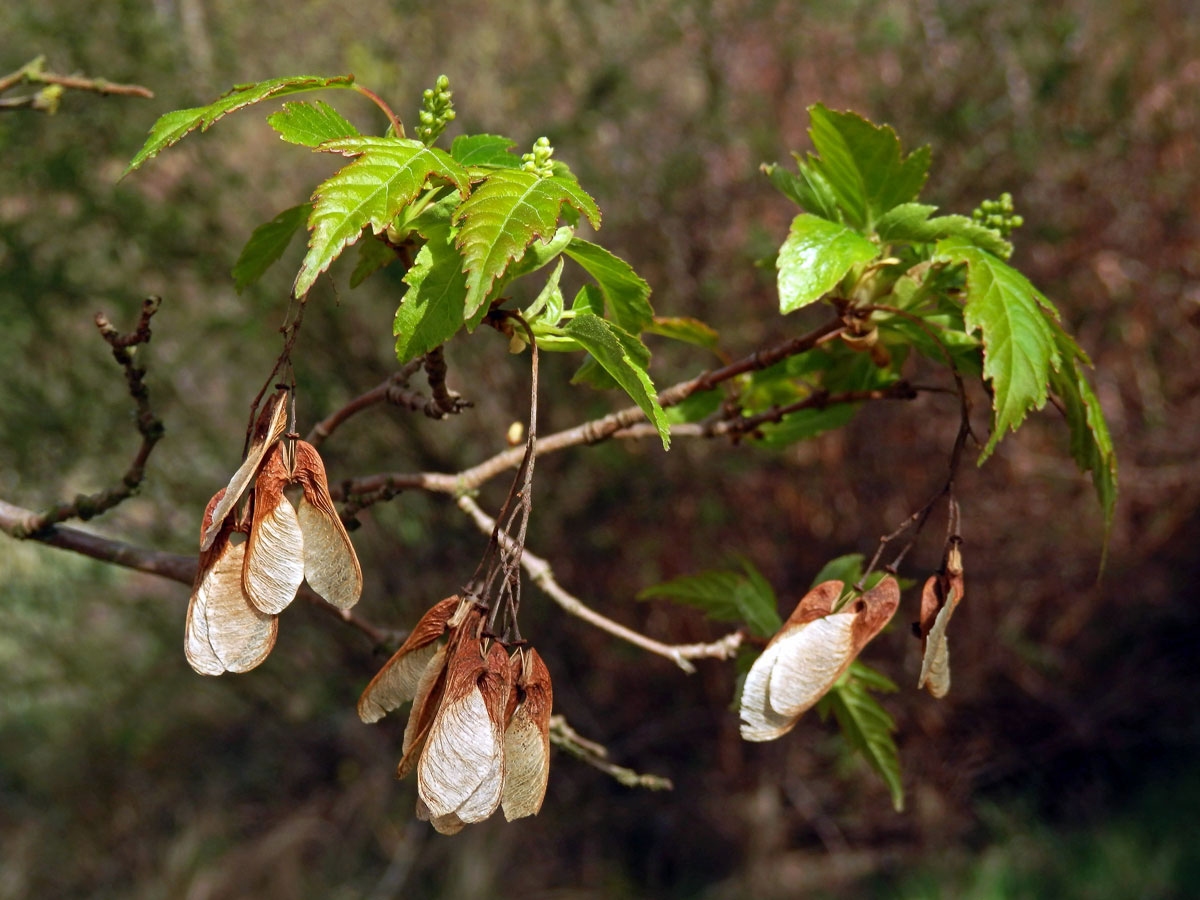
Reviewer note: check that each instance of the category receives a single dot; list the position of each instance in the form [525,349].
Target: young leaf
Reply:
[431,310]
[627,295]
[624,357]
[173,126]
[910,222]
[688,330]
[267,243]
[485,150]
[310,126]
[503,216]
[1019,346]
[809,190]
[548,304]
[388,174]
[756,602]
[868,728]
[863,164]
[815,256]
[713,592]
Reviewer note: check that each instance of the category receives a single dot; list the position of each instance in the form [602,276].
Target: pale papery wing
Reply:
[465,746]
[395,684]
[426,700]
[811,657]
[447,824]
[275,551]
[935,663]
[240,635]
[269,427]
[759,721]
[495,686]
[527,743]
[196,647]
[330,563]
[459,753]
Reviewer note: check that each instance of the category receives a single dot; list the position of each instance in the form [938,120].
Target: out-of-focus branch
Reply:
[566,738]
[47,99]
[540,573]
[393,390]
[87,506]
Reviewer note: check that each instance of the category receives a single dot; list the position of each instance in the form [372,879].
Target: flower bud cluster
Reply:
[538,160]
[437,111]
[998,215]
[479,728]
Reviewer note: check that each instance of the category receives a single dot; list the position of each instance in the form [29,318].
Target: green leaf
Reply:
[431,311]
[625,358]
[537,255]
[310,126]
[757,603]
[867,727]
[815,256]
[485,150]
[1090,442]
[503,216]
[373,255]
[713,592]
[388,174]
[267,243]
[1019,347]
[863,164]
[173,126]
[809,190]
[724,596]
[626,294]
[846,569]
[548,304]
[589,299]
[910,222]
[699,405]
[806,423]
[687,330]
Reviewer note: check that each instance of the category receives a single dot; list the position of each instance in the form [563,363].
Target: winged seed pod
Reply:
[399,679]
[330,564]
[527,736]
[461,771]
[809,653]
[270,426]
[275,551]
[224,630]
[939,598]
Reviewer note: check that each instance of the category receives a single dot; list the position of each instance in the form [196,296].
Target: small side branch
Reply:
[87,506]
[566,738]
[540,573]
[54,85]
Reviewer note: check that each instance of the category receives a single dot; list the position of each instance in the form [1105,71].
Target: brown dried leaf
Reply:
[396,683]
[527,741]
[330,564]
[275,551]
[461,767]
[271,423]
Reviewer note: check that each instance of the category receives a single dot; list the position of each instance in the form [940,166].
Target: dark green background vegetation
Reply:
[1061,764]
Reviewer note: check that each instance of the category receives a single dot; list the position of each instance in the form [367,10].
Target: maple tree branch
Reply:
[540,573]
[567,739]
[392,390]
[87,506]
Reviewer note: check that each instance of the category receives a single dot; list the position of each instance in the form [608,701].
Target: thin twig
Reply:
[566,738]
[540,573]
[392,390]
[33,72]
[149,426]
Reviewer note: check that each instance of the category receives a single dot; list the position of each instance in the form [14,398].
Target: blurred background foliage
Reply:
[1061,765]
